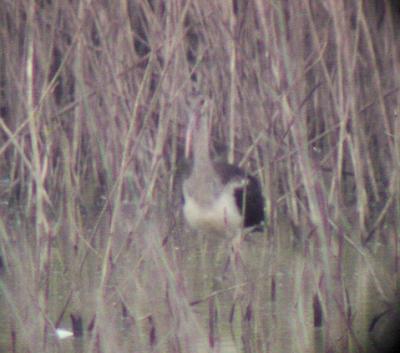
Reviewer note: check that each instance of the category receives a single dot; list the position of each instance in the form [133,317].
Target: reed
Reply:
[93,115]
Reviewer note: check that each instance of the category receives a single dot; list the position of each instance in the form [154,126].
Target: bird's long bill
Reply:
[189,136]
[196,141]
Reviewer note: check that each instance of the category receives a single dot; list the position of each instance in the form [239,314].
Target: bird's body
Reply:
[220,216]
[233,202]
[218,197]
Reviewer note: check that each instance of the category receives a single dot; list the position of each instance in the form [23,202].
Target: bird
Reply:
[218,197]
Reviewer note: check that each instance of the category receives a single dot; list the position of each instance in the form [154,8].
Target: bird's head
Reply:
[197,134]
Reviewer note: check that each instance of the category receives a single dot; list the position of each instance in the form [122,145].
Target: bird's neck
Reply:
[201,148]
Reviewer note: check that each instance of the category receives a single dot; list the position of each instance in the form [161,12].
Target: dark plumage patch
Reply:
[248,199]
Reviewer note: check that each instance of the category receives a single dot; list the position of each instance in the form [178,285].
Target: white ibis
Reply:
[218,197]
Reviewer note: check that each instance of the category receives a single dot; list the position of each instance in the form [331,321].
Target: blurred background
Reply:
[93,118]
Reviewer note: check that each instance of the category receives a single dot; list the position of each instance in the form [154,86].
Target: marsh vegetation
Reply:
[92,128]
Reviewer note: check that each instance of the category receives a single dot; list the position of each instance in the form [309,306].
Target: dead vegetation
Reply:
[93,119]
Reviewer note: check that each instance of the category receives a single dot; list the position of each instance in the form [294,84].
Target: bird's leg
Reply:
[251,230]
[238,265]
[235,250]
[234,257]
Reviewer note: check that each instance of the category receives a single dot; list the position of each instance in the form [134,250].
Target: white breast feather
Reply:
[222,216]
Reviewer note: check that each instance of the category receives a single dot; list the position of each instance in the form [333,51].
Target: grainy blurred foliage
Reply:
[93,104]
[94,92]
